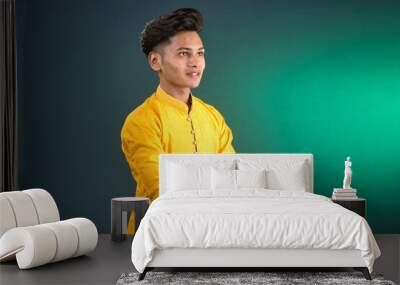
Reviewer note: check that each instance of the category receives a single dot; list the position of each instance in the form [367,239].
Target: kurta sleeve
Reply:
[141,144]
[226,138]
[225,133]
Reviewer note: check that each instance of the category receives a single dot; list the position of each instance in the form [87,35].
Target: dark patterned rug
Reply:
[230,278]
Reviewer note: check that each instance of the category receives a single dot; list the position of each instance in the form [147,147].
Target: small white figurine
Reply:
[347,174]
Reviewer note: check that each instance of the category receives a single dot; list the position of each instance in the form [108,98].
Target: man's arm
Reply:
[225,133]
[226,138]
[141,144]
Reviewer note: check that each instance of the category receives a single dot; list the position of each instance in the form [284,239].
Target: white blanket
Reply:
[250,218]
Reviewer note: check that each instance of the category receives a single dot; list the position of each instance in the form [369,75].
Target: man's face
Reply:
[181,61]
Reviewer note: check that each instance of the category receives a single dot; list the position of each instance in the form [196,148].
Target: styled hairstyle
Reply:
[162,28]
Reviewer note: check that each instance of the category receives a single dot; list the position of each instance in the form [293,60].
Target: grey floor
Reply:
[103,266]
[389,262]
[110,260]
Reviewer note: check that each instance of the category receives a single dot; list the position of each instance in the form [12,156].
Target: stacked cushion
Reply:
[282,174]
[271,174]
[236,179]
[252,178]
[37,245]
[31,231]
[26,208]
[194,174]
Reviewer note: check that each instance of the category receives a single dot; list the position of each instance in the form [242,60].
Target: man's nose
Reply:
[194,61]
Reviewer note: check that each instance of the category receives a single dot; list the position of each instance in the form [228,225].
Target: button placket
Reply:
[193,133]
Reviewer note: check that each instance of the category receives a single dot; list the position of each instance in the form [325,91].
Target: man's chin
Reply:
[189,84]
[193,85]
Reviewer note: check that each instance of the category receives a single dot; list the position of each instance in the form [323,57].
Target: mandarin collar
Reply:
[170,100]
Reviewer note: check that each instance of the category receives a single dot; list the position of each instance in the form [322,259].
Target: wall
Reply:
[288,76]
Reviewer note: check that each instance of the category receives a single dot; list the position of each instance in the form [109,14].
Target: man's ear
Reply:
[154,59]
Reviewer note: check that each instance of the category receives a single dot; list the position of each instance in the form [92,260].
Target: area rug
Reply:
[269,278]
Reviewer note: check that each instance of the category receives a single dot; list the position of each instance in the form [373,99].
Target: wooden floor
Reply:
[110,260]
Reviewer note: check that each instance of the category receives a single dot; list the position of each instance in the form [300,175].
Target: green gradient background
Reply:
[319,77]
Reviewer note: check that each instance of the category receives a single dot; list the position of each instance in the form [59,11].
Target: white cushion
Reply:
[87,233]
[67,239]
[229,161]
[290,179]
[188,177]
[40,244]
[7,218]
[281,174]
[27,208]
[23,208]
[223,179]
[199,161]
[174,173]
[45,205]
[34,244]
[235,179]
[251,178]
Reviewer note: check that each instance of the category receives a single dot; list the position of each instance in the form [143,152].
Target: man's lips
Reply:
[194,74]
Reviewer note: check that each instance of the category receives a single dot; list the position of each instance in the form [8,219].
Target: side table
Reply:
[120,212]
[356,205]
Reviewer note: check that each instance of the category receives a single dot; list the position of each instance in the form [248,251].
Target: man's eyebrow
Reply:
[188,49]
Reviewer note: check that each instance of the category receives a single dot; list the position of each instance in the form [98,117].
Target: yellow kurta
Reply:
[163,124]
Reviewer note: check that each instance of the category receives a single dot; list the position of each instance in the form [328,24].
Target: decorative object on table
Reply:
[120,209]
[346,193]
[357,205]
[32,233]
[347,173]
[216,278]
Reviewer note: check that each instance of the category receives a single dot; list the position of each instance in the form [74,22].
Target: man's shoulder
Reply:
[207,106]
[144,113]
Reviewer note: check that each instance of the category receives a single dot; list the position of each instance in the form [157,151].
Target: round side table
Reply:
[120,212]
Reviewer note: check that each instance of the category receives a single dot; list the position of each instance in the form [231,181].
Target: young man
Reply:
[172,120]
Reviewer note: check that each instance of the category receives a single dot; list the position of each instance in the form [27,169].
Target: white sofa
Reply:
[31,231]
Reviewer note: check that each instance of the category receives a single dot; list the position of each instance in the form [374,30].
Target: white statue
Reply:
[347,174]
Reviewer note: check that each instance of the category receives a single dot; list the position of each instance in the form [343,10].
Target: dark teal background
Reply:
[319,77]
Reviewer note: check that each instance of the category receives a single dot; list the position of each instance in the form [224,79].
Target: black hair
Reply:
[162,28]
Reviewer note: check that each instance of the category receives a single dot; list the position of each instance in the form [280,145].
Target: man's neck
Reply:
[182,94]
